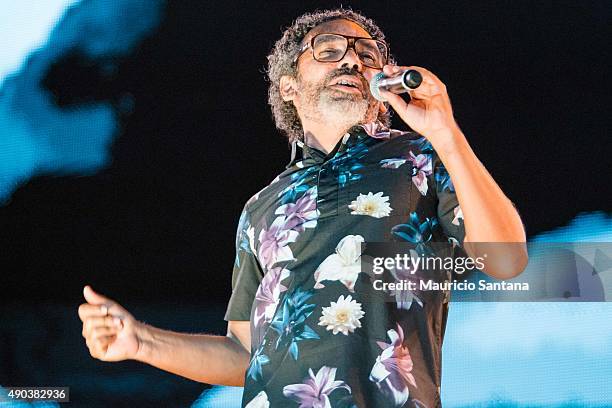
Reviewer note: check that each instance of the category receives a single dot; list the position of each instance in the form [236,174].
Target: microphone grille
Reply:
[374,86]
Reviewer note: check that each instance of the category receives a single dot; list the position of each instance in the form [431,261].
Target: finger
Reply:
[103,331]
[111,306]
[105,341]
[95,298]
[88,310]
[418,93]
[397,102]
[100,346]
[392,70]
[428,90]
[105,321]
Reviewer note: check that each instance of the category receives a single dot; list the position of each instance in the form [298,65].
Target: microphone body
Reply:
[404,82]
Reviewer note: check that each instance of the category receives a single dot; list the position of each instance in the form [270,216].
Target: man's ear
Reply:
[287,88]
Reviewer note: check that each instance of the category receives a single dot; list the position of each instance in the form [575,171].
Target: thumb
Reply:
[95,298]
[397,102]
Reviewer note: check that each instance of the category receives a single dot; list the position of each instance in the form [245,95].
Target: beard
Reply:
[322,103]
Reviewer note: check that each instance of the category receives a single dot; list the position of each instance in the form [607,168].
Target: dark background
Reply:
[155,230]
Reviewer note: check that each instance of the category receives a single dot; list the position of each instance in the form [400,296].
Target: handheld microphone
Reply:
[407,80]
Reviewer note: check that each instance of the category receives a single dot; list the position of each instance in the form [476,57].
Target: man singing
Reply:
[301,329]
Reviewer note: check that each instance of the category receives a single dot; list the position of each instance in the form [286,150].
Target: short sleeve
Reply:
[246,275]
[449,214]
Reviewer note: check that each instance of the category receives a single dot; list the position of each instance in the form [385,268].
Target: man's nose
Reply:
[351,60]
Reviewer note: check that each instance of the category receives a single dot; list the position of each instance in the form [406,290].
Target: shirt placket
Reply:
[327,179]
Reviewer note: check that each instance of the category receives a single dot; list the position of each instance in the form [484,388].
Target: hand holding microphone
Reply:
[407,80]
[428,112]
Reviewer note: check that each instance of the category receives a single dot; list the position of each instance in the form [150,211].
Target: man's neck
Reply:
[324,137]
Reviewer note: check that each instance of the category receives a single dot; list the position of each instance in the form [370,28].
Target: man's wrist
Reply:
[144,338]
[448,142]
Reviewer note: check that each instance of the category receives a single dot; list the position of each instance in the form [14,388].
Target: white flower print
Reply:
[344,265]
[260,401]
[454,241]
[458,215]
[374,205]
[342,316]
[251,235]
[393,163]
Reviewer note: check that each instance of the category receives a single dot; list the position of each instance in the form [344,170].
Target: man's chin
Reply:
[342,102]
[343,114]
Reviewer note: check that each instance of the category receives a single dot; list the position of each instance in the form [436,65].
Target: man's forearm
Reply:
[204,358]
[488,214]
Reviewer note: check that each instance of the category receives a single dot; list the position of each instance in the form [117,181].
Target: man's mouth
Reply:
[347,84]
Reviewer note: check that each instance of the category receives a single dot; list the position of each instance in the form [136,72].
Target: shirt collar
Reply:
[301,151]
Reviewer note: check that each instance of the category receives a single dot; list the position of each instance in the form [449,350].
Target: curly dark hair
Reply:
[281,62]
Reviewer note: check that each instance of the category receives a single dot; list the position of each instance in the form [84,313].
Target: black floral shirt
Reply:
[318,337]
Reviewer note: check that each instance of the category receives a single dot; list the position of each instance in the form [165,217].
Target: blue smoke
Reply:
[38,137]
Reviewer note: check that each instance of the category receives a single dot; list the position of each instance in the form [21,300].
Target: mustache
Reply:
[348,71]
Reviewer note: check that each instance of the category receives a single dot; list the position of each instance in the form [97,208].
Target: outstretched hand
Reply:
[109,330]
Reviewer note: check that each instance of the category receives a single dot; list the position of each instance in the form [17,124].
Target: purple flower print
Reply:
[268,294]
[422,168]
[405,298]
[379,131]
[314,391]
[392,370]
[274,243]
[301,214]
[376,130]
